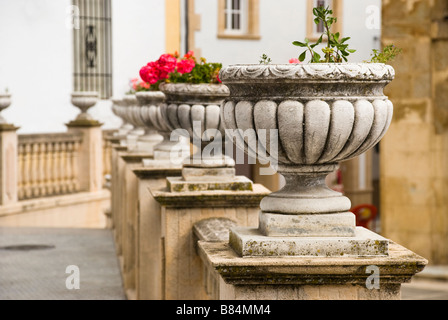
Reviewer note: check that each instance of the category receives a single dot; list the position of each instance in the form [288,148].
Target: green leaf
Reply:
[316,21]
[316,57]
[320,39]
[299,44]
[345,39]
[302,56]
[351,50]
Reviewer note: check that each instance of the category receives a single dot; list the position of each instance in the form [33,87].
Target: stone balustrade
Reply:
[47,165]
[55,179]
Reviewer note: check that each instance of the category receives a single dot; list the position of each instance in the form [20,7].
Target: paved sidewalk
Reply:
[33,263]
[430,284]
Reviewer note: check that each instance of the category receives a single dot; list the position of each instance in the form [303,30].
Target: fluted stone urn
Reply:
[169,151]
[132,116]
[147,100]
[305,119]
[193,110]
[118,108]
[5,102]
[84,100]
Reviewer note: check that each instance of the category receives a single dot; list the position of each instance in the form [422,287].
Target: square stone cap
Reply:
[8,127]
[132,157]
[398,267]
[206,199]
[156,172]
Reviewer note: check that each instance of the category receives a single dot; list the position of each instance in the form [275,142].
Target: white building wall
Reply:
[36,58]
[35,63]
[281,23]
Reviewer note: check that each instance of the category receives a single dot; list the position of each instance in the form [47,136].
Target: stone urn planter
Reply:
[118,108]
[84,100]
[132,114]
[167,151]
[305,119]
[194,110]
[147,100]
[5,102]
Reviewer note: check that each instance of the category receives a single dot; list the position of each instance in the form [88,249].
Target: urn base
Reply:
[238,183]
[308,225]
[250,242]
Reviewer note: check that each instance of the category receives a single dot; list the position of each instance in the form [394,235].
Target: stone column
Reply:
[182,269]
[149,265]
[8,166]
[116,193]
[8,156]
[128,216]
[308,278]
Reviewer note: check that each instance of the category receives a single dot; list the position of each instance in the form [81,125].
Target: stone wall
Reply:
[414,153]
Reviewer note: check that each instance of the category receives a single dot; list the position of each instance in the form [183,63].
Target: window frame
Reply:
[249,20]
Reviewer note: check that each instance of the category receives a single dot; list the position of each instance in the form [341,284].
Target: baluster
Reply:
[62,167]
[20,186]
[49,168]
[69,166]
[27,171]
[76,145]
[42,177]
[56,161]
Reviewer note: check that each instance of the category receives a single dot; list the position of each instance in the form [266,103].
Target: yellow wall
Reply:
[414,152]
[172,26]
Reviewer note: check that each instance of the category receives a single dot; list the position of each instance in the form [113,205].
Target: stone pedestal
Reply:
[117,166]
[231,277]
[180,211]
[90,156]
[128,218]
[149,265]
[8,165]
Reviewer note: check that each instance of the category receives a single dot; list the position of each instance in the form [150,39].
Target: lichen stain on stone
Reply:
[404,109]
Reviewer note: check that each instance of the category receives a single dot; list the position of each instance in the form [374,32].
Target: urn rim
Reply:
[307,72]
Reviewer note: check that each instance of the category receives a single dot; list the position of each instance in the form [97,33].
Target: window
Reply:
[314,31]
[235,12]
[92,47]
[238,19]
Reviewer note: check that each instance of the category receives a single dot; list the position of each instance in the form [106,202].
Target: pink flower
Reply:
[166,64]
[294,60]
[150,73]
[185,66]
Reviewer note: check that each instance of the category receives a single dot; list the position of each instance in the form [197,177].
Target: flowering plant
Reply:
[172,68]
[137,85]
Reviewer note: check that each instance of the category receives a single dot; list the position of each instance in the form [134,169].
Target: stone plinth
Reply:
[149,265]
[127,217]
[231,277]
[8,164]
[249,243]
[180,211]
[90,154]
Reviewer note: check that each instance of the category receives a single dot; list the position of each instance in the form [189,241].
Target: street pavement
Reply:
[47,264]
